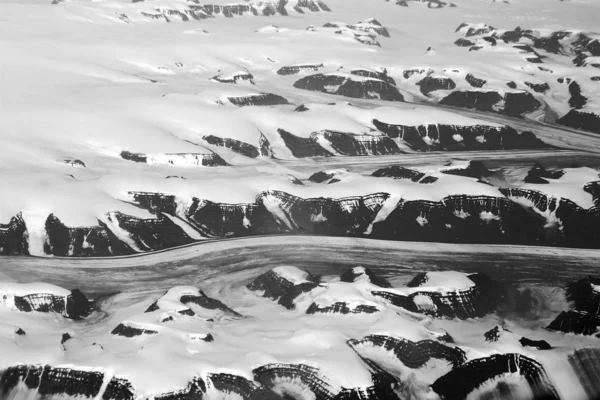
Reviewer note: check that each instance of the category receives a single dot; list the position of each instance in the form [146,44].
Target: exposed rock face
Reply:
[49,381]
[341,307]
[586,364]
[461,381]
[290,379]
[284,284]
[320,177]
[198,11]
[176,159]
[411,354]
[465,302]
[132,331]
[235,145]
[475,82]
[235,78]
[511,103]
[359,273]
[408,73]
[82,241]
[459,137]
[430,84]
[347,85]
[539,344]
[475,169]
[538,174]
[585,316]
[261,99]
[13,238]
[398,172]
[74,305]
[382,76]
[296,69]
[538,87]
[462,42]
[577,119]
[303,147]
[348,144]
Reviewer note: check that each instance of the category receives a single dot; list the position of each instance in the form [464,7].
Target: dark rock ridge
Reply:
[475,169]
[357,273]
[475,82]
[13,237]
[296,69]
[539,344]
[261,99]
[586,364]
[276,285]
[346,85]
[203,159]
[539,174]
[510,103]
[303,378]
[432,83]
[126,330]
[408,73]
[238,146]
[320,177]
[538,87]
[348,144]
[460,137]
[341,307]
[74,306]
[199,11]
[200,300]
[578,119]
[398,172]
[344,144]
[513,216]
[461,381]
[462,303]
[235,78]
[584,318]
[382,76]
[412,354]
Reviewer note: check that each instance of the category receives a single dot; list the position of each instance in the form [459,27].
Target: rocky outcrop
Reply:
[586,364]
[348,144]
[176,159]
[284,284]
[587,121]
[235,78]
[475,82]
[341,307]
[432,83]
[475,169]
[350,86]
[464,380]
[539,174]
[538,87]
[302,147]
[584,318]
[459,137]
[73,305]
[367,73]
[360,273]
[238,146]
[261,99]
[13,238]
[411,354]
[477,300]
[291,379]
[511,103]
[398,172]
[298,68]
